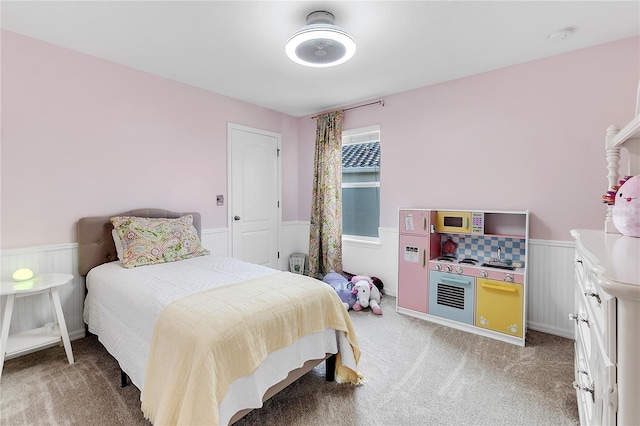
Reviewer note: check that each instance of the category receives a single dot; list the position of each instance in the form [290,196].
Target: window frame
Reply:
[358,136]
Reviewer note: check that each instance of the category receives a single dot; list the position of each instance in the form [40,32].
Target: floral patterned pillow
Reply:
[147,241]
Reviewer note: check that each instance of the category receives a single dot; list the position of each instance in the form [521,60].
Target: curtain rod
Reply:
[381,102]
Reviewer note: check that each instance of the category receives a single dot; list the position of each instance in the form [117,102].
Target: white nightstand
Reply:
[39,337]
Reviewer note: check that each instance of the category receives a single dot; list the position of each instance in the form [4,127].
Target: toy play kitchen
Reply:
[465,269]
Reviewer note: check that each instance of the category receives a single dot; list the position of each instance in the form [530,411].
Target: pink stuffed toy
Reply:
[367,294]
[626,210]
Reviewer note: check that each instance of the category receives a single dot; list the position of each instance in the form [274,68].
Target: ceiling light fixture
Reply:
[320,43]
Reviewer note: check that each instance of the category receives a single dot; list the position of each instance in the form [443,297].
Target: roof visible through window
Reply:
[361,155]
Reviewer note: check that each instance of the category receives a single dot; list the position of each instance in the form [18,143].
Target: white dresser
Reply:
[607,328]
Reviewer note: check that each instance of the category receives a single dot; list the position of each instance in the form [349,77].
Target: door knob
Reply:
[236,217]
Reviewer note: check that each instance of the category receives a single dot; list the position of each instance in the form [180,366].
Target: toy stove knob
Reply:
[459,269]
[448,268]
[484,274]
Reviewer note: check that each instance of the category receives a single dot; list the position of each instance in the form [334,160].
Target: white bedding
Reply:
[122,306]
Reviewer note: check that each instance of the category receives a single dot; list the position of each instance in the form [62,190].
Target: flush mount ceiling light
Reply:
[320,43]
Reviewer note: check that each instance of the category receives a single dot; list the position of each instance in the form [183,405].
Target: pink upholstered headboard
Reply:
[95,242]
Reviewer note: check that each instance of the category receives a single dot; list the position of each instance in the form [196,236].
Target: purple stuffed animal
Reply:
[342,287]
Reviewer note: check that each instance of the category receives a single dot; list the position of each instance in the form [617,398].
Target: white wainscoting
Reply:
[294,238]
[374,259]
[550,280]
[358,257]
[35,311]
[550,275]
[216,241]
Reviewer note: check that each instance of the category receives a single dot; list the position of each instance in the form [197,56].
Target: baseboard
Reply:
[551,330]
[78,334]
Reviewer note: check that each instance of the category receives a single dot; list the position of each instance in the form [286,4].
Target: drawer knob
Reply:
[576,318]
[594,295]
[578,386]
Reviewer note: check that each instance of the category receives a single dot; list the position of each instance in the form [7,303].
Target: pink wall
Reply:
[82,136]
[529,136]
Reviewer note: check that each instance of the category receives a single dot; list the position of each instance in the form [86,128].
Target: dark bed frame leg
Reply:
[124,379]
[330,366]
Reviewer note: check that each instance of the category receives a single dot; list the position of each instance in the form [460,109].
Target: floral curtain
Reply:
[325,245]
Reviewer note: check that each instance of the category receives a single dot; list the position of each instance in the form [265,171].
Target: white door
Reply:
[254,188]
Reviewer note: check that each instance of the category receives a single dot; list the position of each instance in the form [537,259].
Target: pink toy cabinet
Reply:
[416,248]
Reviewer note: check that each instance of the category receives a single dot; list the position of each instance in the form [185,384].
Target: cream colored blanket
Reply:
[203,342]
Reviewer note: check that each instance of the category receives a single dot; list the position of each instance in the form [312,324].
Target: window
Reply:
[361,182]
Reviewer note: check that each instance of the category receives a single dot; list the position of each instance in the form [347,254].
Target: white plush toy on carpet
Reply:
[367,294]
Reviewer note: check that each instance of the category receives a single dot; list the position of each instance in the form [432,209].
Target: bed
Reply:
[185,331]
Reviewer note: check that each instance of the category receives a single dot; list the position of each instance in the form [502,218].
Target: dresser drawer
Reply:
[598,308]
[586,400]
[589,340]
[595,381]
[584,335]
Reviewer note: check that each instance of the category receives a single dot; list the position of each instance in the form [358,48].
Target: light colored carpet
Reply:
[417,373]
